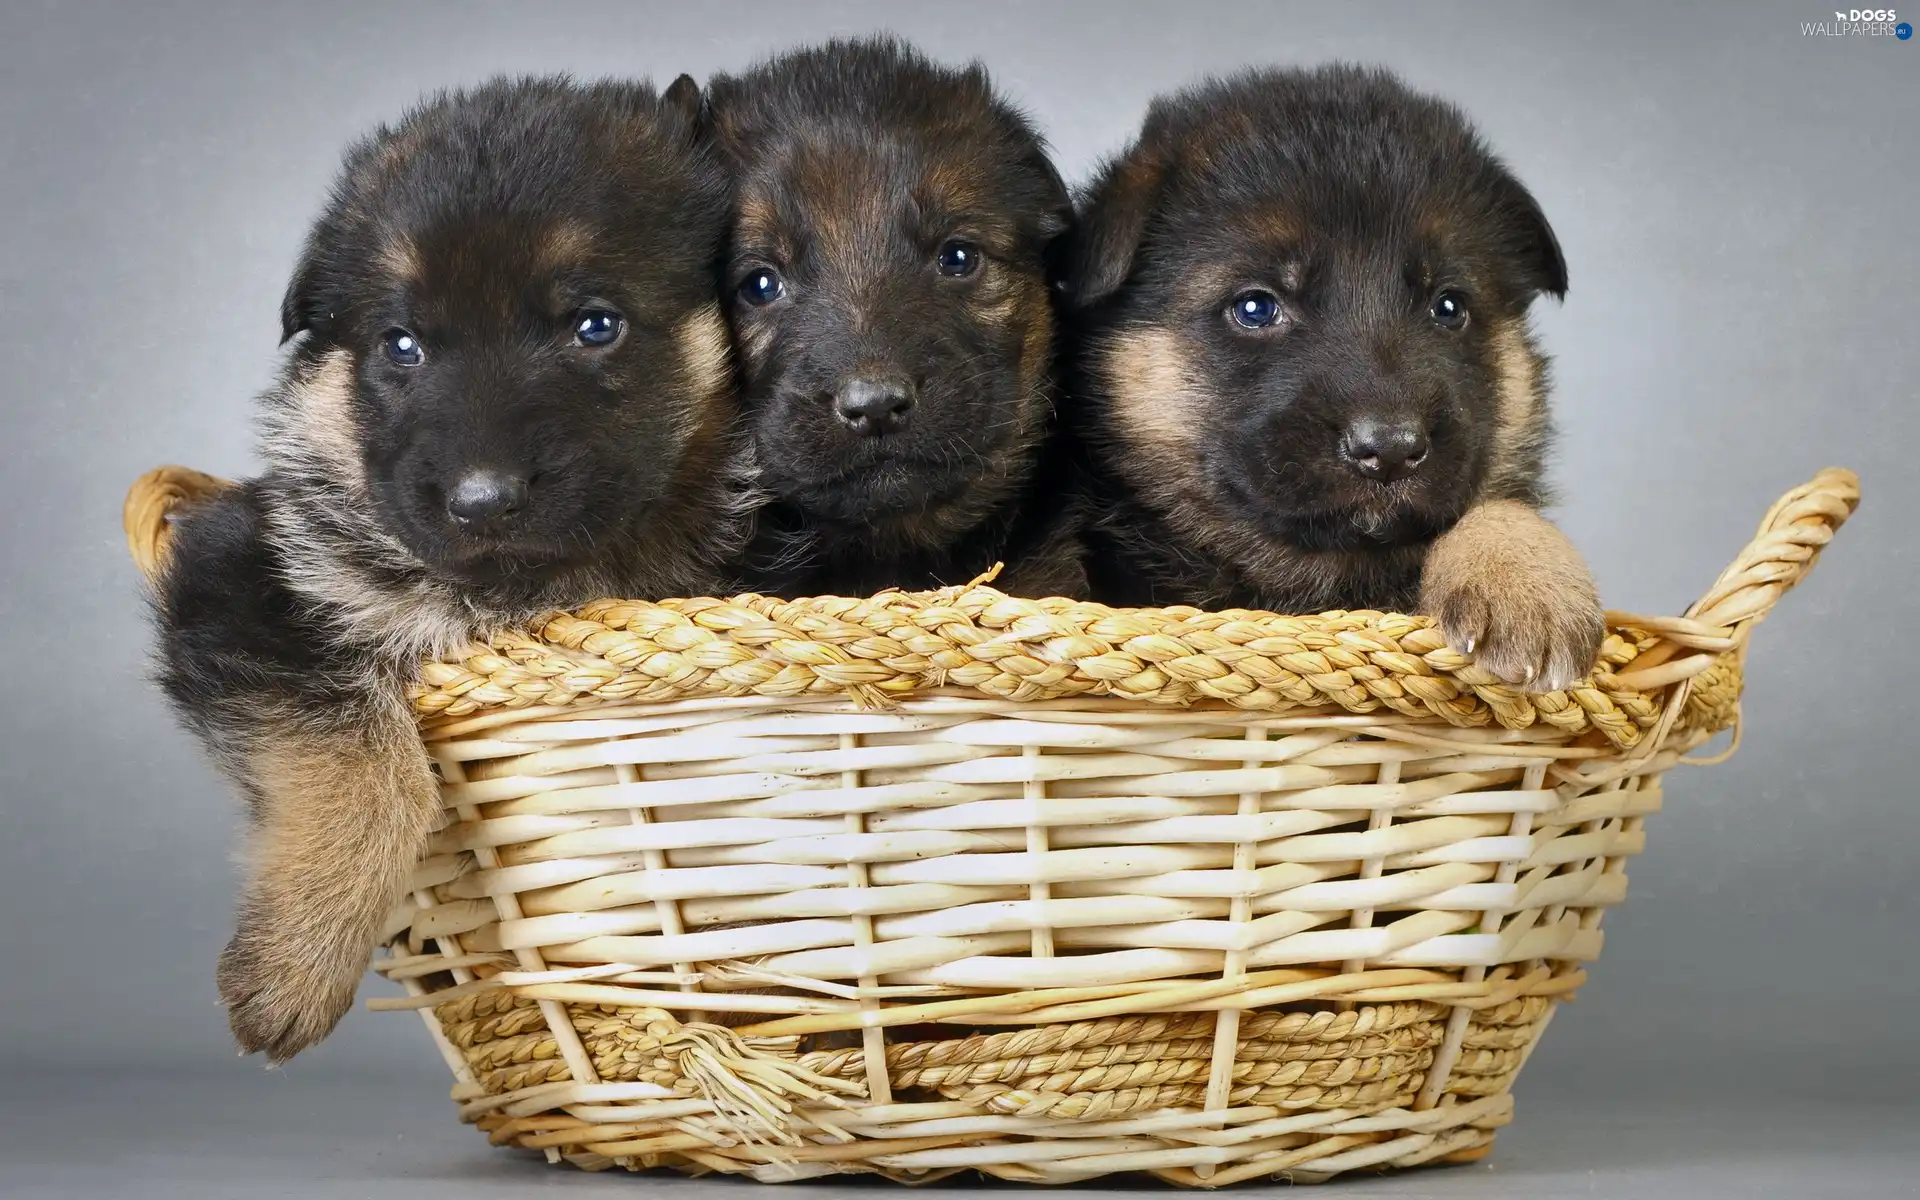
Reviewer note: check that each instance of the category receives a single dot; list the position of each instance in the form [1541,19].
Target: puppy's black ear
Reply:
[1056,225]
[298,307]
[683,96]
[1533,243]
[1100,251]
[720,120]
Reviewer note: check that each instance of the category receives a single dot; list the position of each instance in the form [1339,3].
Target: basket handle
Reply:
[1788,543]
[151,504]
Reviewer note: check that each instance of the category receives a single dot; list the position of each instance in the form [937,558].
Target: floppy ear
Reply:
[1056,224]
[299,304]
[1100,251]
[1533,240]
[719,121]
[683,97]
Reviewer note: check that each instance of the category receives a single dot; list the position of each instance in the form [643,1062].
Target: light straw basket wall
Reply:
[1037,888]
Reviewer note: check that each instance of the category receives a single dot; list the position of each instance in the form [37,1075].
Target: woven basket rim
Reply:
[975,640]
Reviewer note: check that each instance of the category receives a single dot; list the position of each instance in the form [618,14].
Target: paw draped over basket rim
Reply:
[1068,890]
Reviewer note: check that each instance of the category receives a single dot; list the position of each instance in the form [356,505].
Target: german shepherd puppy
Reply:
[1302,297]
[509,394]
[894,319]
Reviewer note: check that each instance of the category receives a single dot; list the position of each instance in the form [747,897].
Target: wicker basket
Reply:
[1037,888]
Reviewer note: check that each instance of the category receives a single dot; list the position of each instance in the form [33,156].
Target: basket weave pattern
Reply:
[1038,888]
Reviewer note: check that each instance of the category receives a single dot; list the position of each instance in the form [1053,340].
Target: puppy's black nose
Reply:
[874,406]
[483,496]
[1385,450]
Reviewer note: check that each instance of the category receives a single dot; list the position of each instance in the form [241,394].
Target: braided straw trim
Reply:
[1110,1055]
[1288,1060]
[508,1043]
[975,638]
[1393,1091]
[1374,1055]
[851,1064]
[1496,1046]
[1193,1057]
[1523,1011]
[1161,1035]
[1370,1059]
[1258,1075]
[506,1037]
[979,640]
[1366,1122]
[1461,1084]
[1481,1037]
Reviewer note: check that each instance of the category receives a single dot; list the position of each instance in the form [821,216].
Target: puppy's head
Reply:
[891,300]
[1307,294]
[512,352]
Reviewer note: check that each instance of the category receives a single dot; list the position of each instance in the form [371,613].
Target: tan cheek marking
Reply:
[1518,369]
[706,354]
[753,336]
[999,300]
[324,398]
[1154,400]
[1036,349]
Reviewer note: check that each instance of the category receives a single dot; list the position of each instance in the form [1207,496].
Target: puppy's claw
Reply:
[1536,641]
[1505,584]
[1563,679]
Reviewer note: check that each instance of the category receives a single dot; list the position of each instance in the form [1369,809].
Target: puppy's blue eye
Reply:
[1450,310]
[957,258]
[403,348]
[1256,310]
[762,286]
[597,327]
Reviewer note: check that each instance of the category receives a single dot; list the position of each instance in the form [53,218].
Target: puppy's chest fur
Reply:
[792,557]
[1034,533]
[1139,557]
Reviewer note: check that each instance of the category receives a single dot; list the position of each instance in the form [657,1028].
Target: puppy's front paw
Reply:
[282,993]
[1509,590]
[1538,639]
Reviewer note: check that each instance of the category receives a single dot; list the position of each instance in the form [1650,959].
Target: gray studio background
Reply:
[1735,201]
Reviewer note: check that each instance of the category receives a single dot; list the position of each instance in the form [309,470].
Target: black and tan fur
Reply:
[859,165]
[1309,383]
[293,609]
